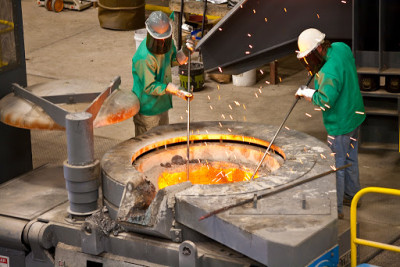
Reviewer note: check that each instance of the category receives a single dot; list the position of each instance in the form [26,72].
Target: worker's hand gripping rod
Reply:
[277,132]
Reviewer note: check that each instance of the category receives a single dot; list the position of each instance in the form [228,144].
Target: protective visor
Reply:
[313,61]
[158,46]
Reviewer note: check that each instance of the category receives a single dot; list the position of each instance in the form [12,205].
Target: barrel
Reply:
[121,14]
[196,73]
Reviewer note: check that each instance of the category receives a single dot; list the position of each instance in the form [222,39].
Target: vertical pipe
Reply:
[80,145]
[188,119]
[81,171]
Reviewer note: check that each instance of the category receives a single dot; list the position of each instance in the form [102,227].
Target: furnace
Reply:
[146,190]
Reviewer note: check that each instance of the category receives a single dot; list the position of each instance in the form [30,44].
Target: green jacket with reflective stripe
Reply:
[338,92]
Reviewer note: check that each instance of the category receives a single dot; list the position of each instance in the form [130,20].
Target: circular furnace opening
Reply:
[214,159]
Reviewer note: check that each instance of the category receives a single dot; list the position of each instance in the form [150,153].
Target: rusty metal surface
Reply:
[21,113]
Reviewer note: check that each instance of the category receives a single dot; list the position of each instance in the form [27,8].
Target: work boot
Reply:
[347,202]
[340,215]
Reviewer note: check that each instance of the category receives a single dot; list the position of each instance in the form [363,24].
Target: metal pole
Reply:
[280,189]
[188,119]
[277,132]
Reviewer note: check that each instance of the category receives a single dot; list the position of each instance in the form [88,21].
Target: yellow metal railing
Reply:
[353,223]
[8,29]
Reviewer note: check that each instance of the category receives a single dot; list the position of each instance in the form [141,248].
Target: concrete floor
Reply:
[72,45]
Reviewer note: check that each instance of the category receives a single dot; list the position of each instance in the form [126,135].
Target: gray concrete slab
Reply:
[71,44]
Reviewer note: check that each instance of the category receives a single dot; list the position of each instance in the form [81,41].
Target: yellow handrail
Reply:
[353,223]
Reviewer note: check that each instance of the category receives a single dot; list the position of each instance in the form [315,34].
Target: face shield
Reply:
[308,42]
[158,46]
[313,61]
[159,33]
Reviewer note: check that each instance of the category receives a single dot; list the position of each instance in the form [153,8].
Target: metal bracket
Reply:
[40,240]
[176,235]
[92,239]
[188,254]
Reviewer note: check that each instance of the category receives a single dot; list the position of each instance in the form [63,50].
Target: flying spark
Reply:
[254,11]
[237,103]
[261,71]
[217,86]
[209,98]
[229,130]
[230,106]
[360,112]
[223,116]
[244,106]
[352,138]
[220,29]
[326,105]
[317,109]
[348,155]
[331,137]
[244,118]
[323,109]
[249,35]
[220,124]
[211,107]
[247,52]
[333,167]
[250,46]
[259,90]
[220,70]
[352,146]
[317,15]
[287,128]
[322,156]
[267,82]
[309,115]
[265,19]
[285,9]
[256,95]
[231,117]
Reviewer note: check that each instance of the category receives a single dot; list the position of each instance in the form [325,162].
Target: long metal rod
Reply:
[188,119]
[280,189]
[277,132]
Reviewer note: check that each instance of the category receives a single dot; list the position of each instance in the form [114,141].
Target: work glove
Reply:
[189,46]
[174,90]
[305,92]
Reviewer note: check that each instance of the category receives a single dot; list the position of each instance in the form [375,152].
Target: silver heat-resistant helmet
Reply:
[159,33]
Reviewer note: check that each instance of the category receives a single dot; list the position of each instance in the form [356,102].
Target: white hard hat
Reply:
[309,40]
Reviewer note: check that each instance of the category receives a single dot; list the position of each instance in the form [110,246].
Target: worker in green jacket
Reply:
[338,95]
[151,70]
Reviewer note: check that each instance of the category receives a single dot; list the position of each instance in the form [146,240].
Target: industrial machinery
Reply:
[150,211]
[59,5]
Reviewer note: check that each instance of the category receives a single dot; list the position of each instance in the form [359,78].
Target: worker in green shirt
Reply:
[337,93]
[151,70]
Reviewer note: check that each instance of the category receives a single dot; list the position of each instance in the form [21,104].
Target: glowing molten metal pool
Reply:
[216,159]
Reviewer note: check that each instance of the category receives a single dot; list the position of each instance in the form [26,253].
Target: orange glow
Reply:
[207,137]
[216,173]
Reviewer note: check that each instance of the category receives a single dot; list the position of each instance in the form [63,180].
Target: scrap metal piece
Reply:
[135,201]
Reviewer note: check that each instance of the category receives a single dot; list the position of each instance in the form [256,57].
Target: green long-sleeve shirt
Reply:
[151,75]
[338,92]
